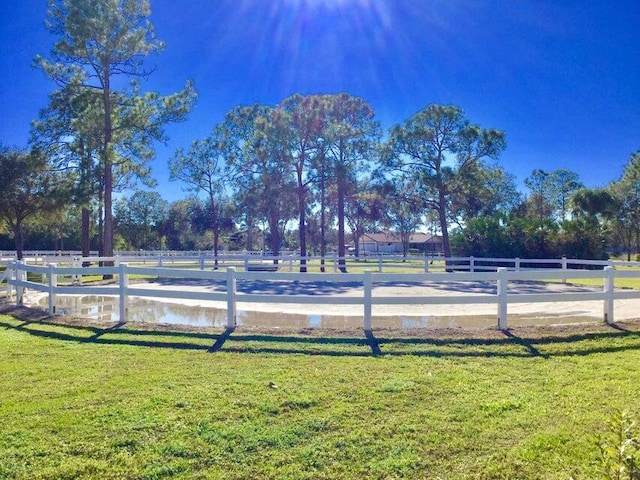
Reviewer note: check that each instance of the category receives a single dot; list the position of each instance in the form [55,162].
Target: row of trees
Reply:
[322,155]
[561,217]
[550,222]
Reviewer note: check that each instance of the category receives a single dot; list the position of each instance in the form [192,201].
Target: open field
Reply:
[87,400]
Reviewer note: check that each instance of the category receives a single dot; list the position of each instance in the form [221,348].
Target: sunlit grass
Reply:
[90,402]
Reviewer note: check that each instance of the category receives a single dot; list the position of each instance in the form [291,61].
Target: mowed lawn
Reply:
[80,401]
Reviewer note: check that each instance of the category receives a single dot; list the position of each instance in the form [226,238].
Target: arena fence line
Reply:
[17,282]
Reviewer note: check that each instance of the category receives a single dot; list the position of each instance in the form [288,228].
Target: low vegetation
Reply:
[93,401]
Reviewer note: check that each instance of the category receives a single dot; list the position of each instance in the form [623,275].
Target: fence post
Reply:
[564,268]
[231,297]
[472,264]
[609,274]
[123,281]
[21,276]
[53,284]
[10,275]
[367,300]
[75,264]
[202,261]
[426,263]
[502,298]
[380,263]
[517,264]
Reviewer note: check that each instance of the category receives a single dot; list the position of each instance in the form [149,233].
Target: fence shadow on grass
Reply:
[461,344]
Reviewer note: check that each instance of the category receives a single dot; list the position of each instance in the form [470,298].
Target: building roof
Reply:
[393,237]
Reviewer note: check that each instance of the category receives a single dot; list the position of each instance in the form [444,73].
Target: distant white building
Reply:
[390,242]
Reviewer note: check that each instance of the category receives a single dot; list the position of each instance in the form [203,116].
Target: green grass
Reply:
[89,402]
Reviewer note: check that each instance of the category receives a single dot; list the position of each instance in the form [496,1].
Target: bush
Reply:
[620,448]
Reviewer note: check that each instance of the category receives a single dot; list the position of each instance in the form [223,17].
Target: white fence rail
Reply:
[16,276]
[291,262]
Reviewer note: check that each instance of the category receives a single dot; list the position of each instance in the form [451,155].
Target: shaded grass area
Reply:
[118,401]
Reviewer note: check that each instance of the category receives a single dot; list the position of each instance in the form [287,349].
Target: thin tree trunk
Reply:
[215,227]
[341,233]
[302,227]
[442,215]
[107,245]
[323,242]
[86,233]
[19,240]
[274,243]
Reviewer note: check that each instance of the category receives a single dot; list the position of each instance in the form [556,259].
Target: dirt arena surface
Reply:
[394,317]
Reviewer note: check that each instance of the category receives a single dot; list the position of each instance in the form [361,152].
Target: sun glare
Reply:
[330,4]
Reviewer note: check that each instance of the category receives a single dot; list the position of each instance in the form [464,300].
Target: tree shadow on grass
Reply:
[459,344]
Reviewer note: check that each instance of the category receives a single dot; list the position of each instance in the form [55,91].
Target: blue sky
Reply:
[562,78]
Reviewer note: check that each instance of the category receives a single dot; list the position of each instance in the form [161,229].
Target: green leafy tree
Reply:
[551,192]
[364,208]
[435,147]
[300,123]
[539,202]
[28,187]
[177,228]
[139,218]
[349,143]
[203,170]
[481,190]
[98,41]
[403,210]
[626,192]
[563,185]
[69,131]
[265,190]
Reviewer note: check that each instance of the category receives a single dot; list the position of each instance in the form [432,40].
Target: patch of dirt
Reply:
[28,314]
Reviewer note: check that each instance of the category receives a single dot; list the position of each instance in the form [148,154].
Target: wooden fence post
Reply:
[517,264]
[564,268]
[502,298]
[231,297]
[367,300]
[53,284]
[472,264]
[123,281]
[609,274]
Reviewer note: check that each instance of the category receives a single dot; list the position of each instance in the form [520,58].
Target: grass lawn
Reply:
[88,401]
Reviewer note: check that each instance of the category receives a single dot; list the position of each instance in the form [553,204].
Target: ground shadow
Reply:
[267,287]
[492,343]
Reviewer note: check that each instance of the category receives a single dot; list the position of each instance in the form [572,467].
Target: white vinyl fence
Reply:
[16,274]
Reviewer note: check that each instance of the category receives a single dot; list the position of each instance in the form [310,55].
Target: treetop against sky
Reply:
[561,78]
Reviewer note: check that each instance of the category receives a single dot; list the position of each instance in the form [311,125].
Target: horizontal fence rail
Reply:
[16,276]
[257,261]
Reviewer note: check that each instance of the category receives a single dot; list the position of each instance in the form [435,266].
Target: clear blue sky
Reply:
[562,78]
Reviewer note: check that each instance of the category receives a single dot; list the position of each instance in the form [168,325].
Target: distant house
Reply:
[390,242]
